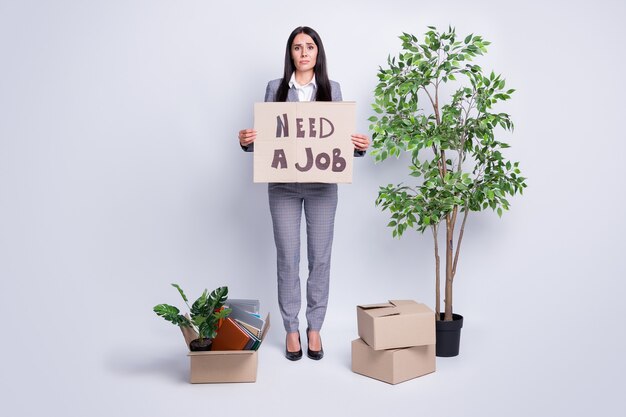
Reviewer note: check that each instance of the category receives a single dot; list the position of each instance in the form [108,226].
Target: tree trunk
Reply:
[458,242]
[437,274]
[449,261]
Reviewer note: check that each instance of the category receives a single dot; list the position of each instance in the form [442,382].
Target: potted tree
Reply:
[203,318]
[448,127]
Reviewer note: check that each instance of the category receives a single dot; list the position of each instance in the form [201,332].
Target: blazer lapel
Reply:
[292,95]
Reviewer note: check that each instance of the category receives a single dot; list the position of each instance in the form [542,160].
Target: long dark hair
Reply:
[321,75]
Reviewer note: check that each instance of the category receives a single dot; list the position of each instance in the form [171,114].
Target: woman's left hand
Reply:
[361,142]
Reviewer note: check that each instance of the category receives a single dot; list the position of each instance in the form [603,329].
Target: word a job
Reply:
[322,161]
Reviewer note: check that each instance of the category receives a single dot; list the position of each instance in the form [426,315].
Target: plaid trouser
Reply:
[320,203]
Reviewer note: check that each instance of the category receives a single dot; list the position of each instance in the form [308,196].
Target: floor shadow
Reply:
[173,366]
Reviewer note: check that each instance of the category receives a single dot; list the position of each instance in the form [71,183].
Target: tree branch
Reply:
[429,96]
[464,135]
[441,164]
[455,210]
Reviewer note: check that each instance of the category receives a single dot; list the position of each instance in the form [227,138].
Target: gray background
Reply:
[120,173]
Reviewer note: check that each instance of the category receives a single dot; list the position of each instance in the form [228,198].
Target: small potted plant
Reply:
[450,130]
[203,318]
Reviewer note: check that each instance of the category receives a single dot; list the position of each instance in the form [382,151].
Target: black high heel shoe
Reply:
[294,356]
[316,355]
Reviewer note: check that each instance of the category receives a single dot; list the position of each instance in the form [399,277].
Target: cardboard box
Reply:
[224,365]
[397,324]
[392,365]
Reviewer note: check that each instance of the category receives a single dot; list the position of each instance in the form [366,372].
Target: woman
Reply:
[304,79]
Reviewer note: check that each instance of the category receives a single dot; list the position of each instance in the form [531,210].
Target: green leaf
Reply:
[218,297]
[180,290]
[223,313]
[200,307]
[166,310]
[171,314]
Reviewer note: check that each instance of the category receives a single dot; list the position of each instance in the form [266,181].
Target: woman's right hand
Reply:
[247,136]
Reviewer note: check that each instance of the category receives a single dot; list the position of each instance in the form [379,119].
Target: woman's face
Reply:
[303,52]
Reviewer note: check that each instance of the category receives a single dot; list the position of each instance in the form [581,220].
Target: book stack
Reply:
[397,341]
[243,329]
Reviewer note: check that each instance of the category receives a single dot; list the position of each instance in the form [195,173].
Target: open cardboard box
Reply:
[222,365]
[397,324]
[392,365]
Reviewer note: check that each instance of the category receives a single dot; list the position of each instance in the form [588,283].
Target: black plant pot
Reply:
[448,335]
[200,345]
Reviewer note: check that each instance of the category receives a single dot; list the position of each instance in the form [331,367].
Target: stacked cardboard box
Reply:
[397,341]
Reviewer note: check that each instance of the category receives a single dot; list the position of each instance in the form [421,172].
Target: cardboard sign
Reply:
[304,141]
